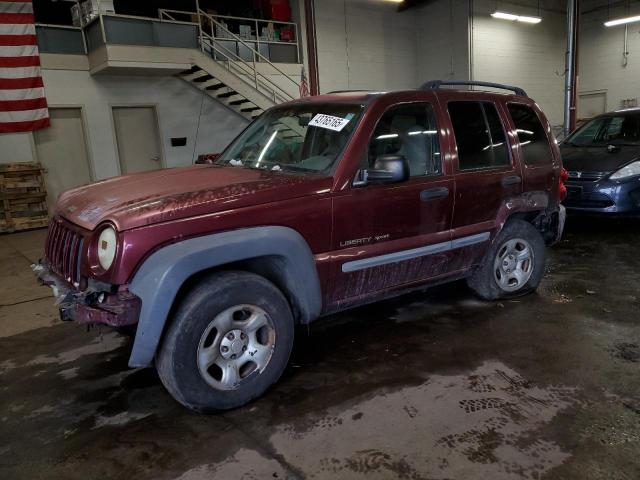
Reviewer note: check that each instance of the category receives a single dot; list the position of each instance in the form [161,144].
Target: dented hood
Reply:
[146,198]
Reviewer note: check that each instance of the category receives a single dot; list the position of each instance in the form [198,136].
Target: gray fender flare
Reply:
[161,276]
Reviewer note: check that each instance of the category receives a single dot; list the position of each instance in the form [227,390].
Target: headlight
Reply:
[629,171]
[107,247]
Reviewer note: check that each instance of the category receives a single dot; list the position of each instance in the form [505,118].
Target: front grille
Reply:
[586,176]
[63,250]
[589,200]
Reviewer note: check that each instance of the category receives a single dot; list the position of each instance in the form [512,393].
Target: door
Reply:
[391,235]
[137,138]
[62,150]
[533,147]
[486,175]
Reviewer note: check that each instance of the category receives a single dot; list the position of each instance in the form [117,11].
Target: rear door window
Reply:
[532,137]
[480,136]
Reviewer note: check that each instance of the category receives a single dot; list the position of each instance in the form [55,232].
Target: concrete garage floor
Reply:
[428,386]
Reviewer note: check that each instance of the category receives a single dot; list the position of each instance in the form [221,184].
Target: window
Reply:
[622,129]
[409,130]
[532,137]
[614,129]
[480,136]
[300,139]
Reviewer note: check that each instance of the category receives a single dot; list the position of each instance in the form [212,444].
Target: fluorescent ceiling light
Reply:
[525,19]
[622,21]
[516,18]
[504,16]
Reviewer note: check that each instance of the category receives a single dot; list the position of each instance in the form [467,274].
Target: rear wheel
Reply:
[513,266]
[229,341]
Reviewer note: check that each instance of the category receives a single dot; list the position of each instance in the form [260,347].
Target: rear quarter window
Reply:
[532,137]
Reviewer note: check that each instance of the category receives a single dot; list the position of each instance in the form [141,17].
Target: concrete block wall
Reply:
[365,45]
[177,105]
[526,55]
[369,45]
[443,41]
[16,147]
[601,59]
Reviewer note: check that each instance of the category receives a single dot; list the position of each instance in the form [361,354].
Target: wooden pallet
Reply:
[23,197]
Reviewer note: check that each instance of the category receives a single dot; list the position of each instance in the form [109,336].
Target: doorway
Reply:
[62,151]
[137,138]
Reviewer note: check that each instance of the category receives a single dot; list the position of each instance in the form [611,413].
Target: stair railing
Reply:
[168,14]
[244,70]
[215,48]
[233,61]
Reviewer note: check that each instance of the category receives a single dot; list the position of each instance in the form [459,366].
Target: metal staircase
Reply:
[223,75]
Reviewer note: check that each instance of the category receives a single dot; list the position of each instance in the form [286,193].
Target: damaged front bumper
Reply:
[92,305]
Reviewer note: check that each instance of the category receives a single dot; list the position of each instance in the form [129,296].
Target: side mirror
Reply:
[389,169]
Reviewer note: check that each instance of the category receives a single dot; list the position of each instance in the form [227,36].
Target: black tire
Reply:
[484,282]
[176,360]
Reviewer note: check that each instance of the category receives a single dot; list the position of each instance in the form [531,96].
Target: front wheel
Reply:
[513,266]
[228,342]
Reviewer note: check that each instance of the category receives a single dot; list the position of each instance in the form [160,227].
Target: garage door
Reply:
[62,149]
[138,140]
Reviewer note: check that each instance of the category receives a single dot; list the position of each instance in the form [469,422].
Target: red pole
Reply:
[312,46]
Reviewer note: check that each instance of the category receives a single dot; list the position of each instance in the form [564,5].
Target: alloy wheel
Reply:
[513,265]
[237,343]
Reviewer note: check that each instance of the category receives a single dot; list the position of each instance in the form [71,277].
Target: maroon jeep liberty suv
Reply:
[319,205]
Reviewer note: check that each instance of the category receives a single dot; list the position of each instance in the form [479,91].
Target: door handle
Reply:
[511,180]
[433,193]
[155,158]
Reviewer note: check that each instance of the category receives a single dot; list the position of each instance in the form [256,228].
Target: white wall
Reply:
[365,45]
[601,67]
[16,147]
[529,56]
[443,45]
[178,107]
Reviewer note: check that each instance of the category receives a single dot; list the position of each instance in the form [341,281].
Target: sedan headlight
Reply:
[107,247]
[630,170]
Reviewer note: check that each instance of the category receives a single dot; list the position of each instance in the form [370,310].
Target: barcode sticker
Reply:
[329,122]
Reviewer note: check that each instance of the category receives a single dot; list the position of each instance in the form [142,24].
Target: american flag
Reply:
[23,106]
[304,85]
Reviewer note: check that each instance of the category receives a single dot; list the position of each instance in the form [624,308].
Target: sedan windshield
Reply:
[623,129]
[305,138]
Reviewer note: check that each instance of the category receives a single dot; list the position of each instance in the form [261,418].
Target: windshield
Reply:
[608,130]
[304,138]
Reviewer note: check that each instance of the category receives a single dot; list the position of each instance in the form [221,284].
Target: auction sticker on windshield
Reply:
[327,121]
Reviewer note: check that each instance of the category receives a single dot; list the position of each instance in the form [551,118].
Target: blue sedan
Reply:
[603,161]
